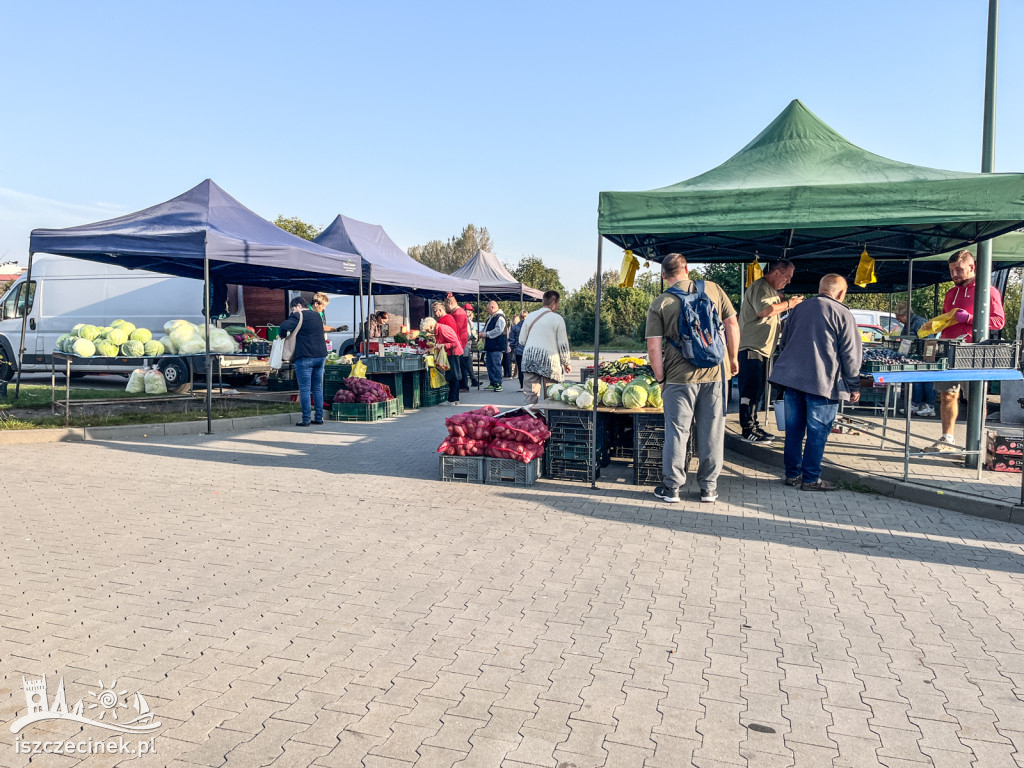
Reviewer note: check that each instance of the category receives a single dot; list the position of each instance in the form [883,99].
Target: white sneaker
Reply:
[926,411]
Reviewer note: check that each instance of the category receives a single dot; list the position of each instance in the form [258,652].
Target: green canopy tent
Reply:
[801,191]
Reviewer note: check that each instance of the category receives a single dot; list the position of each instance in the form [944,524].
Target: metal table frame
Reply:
[907,379]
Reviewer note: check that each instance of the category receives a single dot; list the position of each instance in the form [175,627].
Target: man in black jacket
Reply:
[309,358]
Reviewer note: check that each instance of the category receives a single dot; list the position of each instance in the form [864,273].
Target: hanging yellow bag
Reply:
[754,272]
[937,324]
[865,271]
[358,370]
[627,272]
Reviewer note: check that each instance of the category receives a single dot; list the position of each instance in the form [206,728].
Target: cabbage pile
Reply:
[123,339]
[642,392]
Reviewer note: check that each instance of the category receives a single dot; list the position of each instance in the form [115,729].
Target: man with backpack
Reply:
[692,335]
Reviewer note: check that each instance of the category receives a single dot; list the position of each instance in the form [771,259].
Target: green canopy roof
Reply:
[801,189]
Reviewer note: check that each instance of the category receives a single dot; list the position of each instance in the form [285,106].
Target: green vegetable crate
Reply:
[282,381]
[359,411]
[432,397]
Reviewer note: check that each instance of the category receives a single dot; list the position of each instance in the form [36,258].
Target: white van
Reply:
[886,320]
[65,292]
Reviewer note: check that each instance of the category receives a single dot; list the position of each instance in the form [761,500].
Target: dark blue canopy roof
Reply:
[206,222]
[390,268]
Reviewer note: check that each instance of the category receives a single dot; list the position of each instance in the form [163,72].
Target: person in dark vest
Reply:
[495,344]
[309,358]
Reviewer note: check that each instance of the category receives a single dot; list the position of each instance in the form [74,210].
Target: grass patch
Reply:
[38,396]
[856,486]
[198,413]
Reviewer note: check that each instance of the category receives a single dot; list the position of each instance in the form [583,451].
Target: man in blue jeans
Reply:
[819,365]
[495,344]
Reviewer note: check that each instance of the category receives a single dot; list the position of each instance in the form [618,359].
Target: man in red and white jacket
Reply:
[961,299]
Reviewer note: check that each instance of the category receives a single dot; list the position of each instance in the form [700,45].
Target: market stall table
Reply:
[908,378]
[68,357]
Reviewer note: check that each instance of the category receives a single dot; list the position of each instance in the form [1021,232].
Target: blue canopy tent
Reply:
[385,266]
[202,234]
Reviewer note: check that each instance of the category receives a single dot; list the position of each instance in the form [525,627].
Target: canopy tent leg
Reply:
[370,309]
[520,298]
[597,363]
[475,353]
[209,367]
[978,390]
[359,318]
[24,323]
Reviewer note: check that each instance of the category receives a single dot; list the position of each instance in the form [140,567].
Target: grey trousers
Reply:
[700,406]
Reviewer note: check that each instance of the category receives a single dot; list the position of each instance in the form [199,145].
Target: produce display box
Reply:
[408,363]
[983,355]
[586,373]
[1004,464]
[282,381]
[337,372]
[567,469]
[872,366]
[393,381]
[462,469]
[511,472]
[572,451]
[1004,445]
[257,348]
[359,411]
[432,397]
[573,426]
[393,363]
[394,406]
[647,474]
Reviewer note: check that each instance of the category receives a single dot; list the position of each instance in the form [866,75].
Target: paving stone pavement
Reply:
[294,597]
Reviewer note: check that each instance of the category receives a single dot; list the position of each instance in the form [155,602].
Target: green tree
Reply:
[578,310]
[448,256]
[298,227]
[531,271]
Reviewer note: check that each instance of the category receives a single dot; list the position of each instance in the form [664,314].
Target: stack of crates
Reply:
[431,396]
[648,442]
[568,452]
[333,376]
[1004,453]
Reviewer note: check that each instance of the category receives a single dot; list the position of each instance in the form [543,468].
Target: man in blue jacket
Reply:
[819,365]
[495,344]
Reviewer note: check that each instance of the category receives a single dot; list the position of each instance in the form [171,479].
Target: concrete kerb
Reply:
[918,494]
[132,431]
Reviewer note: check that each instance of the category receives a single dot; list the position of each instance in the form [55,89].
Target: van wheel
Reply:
[348,348]
[175,373]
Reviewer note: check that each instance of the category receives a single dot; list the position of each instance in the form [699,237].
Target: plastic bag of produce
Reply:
[358,370]
[937,324]
[472,425]
[521,429]
[156,384]
[344,396]
[510,449]
[136,382]
[194,345]
[221,342]
[462,446]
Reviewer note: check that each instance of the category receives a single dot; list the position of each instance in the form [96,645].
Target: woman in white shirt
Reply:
[545,348]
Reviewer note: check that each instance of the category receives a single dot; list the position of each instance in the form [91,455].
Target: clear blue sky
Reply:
[423,117]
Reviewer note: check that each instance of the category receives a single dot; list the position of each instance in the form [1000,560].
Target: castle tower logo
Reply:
[107,708]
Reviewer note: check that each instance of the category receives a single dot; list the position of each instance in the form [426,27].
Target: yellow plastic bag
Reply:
[436,378]
[627,272]
[937,324]
[358,370]
[865,271]
[754,272]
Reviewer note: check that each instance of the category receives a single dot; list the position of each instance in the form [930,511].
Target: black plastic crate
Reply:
[510,471]
[567,469]
[983,355]
[572,451]
[461,469]
[257,348]
[647,474]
